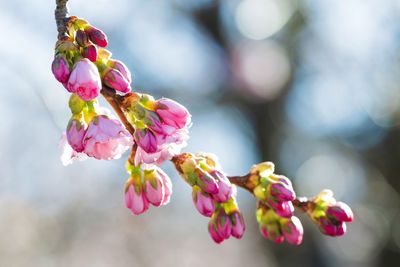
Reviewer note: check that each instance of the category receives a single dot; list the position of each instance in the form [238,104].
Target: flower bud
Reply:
[134,198]
[212,229]
[206,182]
[97,36]
[146,140]
[81,38]
[282,192]
[85,80]
[223,224]
[90,52]
[238,225]
[60,69]
[224,187]
[153,187]
[273,232]
[284,209]
[172,113]
[114,79]
[202,201]
[292,230]
[76,131]
[340,212]
[121,67]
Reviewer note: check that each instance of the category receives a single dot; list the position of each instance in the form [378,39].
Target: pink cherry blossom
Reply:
[106,138]
[85,80]
[223,223]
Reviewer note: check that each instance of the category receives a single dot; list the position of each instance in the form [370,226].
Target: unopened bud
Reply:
[81,38]
[90,52]
[97,36]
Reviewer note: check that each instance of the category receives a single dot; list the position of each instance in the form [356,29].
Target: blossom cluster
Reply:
[331,216]
[213,194]
[275,208]
[160,127]
[145,187]
[83,65]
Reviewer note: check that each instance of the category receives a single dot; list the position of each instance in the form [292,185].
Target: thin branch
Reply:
[60,15]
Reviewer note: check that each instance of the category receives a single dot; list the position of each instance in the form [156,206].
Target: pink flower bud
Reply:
[282,192]
[332,228]
[212,229]
[121,67]
[90,52]
[76,131]
[135,199]
[85,80]
[272,232]
[106,138]
[153,187]
[224,187]
[172,113]
[146,140]
[97,36]
[223,224]
[238,225]
[206,182]
[60,69]
[292,230]
[285,209]
[203,202]
[340,212]
[81,38]
[114,79]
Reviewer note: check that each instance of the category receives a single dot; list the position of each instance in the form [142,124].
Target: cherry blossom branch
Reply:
[159,131]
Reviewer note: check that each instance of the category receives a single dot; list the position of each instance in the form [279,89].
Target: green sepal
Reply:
[76,104]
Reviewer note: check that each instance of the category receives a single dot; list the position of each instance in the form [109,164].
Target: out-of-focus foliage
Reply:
[311,85]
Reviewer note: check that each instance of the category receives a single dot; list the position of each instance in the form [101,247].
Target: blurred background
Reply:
[310,85]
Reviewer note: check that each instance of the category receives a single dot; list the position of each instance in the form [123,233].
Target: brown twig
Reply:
[61,14]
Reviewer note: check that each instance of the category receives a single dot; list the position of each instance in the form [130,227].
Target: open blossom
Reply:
[106,138]
[85,80]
